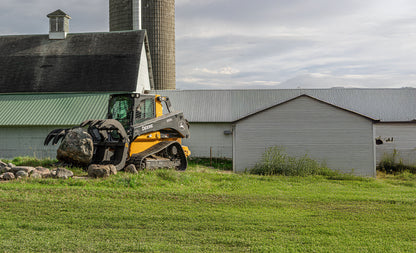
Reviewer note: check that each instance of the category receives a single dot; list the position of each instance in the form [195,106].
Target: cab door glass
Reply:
[145,110]
[120,110]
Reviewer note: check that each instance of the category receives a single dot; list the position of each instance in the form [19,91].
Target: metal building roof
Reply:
[386,105]
[51,109]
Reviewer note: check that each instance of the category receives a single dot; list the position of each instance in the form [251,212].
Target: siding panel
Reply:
[207,136]
[402,138]
[26,141]
[342,140]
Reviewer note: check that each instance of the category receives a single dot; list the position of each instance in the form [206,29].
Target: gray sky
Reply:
[264,43]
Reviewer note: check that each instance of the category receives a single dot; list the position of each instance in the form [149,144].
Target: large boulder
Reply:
[100,171]
[76,148]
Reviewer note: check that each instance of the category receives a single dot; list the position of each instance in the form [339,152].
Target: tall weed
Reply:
[275,161]
[393,164]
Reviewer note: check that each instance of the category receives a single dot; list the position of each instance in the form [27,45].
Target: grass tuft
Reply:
[216,163]
[393,164]
[275,161]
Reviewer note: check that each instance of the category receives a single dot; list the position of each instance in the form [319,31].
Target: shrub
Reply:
[275,161]
[393,164]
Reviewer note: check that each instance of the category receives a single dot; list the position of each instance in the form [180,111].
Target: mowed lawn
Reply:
[204,210]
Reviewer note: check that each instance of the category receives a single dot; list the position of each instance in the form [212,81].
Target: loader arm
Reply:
[171,125]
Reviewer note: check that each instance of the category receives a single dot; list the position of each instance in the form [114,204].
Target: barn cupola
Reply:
[58,25]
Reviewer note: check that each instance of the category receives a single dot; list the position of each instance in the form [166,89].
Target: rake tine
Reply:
[51,135]
[59,136]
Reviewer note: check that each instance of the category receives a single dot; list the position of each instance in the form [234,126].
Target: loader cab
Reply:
[133,109]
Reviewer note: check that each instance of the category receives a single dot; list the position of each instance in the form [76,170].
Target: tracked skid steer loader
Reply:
[137,132]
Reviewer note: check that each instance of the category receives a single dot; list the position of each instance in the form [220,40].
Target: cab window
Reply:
[120,110]
[145,110]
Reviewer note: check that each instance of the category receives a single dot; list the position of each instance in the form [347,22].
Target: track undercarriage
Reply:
[166,154]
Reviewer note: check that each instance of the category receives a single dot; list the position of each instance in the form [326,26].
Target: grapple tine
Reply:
[59,136]
[52,135]
[48,139]
[94,123]
[87,122]
[111,124]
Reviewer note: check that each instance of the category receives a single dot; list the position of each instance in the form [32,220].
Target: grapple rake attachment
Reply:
[55,136]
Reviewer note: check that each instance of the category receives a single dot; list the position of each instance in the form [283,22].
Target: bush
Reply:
[275,161]
[393,164]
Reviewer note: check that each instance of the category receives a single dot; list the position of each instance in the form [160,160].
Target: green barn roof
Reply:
[51,109]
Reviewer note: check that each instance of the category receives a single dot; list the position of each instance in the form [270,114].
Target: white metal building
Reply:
[214,113]
[341,139]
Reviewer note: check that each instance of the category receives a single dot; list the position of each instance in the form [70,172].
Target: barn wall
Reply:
[207,135]
[341,139]
[25,141]
[397,136]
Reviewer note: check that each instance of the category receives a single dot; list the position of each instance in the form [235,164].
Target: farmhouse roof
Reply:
[386,105]
[85,62]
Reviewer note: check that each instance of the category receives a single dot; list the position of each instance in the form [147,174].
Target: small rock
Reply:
[5,169]
[100,171]
[2,164]
[11,165]
[26,169]
[113,169]
[21,174]
[131,168]
[36,175]
[44,172]
[62,173]
[8,176]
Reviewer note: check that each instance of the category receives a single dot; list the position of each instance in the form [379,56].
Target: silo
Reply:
[158,18]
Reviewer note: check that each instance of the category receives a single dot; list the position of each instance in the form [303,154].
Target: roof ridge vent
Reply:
[58,25]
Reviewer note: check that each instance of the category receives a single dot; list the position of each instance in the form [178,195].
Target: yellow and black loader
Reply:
[137,132]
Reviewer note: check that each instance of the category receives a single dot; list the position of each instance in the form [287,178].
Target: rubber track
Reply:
[138,159]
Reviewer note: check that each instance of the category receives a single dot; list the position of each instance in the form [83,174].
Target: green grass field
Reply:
[206,210]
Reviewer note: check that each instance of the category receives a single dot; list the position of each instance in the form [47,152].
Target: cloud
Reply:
[29,17]
[266,43]
[350,42]
[221,71]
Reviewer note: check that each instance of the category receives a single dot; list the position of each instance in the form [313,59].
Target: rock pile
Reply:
[11,172]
